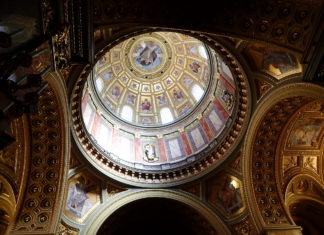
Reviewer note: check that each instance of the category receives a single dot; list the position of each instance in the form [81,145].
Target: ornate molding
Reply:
[245,226]
[61,48]
[65,229]
[48,16]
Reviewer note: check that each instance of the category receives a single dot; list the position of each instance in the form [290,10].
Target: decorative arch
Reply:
[133,195]
[40,207]
[304,200]
[8,204]
[304,186]
[260,168]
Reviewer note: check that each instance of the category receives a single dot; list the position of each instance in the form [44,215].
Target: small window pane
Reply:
[166,115]
[102,136]
[99,84]
[127,113]
[202,52]
[197,92]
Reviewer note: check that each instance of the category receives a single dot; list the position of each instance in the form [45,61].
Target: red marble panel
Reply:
[186,143]
[95,124]
[138,150]
[206,129]
[227,84]
[163,156]
[221,111]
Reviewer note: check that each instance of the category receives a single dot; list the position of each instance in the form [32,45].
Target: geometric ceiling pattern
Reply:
[153,79]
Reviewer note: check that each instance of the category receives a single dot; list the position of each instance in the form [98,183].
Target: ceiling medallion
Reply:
[149,56]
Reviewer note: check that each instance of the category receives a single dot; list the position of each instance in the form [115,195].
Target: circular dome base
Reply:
[161,153]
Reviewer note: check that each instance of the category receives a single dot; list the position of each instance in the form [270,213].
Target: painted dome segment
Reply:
[157,77]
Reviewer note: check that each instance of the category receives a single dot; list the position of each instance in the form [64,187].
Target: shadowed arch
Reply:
[130,196]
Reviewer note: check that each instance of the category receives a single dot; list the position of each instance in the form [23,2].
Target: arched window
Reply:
[102,136]
[99,84]
[197,92]
[127,113]
[202,52]
[166,115]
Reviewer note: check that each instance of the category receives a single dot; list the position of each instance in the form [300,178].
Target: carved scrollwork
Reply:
[61,48]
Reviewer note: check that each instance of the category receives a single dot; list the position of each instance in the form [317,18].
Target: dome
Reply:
[158,102]
[153,79]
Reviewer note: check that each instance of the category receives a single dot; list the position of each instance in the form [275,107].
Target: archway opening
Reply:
[156,216]
[309,215]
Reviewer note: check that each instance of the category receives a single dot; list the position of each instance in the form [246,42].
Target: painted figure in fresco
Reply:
[115,92]
[149,153]
[273,58]
[228,99]
[192,50]
[290,162]
[305,132]
[146,121]
[302,185]
[187,81]
[195,67]
[102,61]
[131,98]
[228,197]
[146,105]
[77,201]
[162,100]
[177,95]
[148,54]
[309,163]
[107,75]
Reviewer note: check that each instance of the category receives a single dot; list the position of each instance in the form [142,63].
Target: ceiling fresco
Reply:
[147,74]
[83,196]
[303,146]
[272,61]
[224,193]
[156,100]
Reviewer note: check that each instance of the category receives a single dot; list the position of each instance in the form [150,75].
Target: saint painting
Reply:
[78,202]
[272,60]
[187,81]
[131,98]
[195,67]
[107,75]
[302,185]
[115,92]
[102,61]
[177,95]
[149,153]
[148,55]
[146,105]
[162,100]
[227,97]
[146,121]
[229,197]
